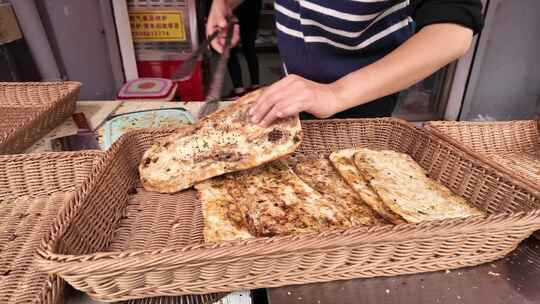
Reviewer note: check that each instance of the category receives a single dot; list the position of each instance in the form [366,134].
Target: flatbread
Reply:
[405,188]
[223,142]
[277,202]
[343,162]
[320,175]
[223,220]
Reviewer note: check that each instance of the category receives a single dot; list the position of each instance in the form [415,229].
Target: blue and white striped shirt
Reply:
[324,40]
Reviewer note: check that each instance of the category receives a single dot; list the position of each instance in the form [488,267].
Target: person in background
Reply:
[248,14]
[351,58]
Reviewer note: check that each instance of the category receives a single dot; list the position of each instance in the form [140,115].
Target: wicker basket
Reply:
[117,241]
[513,146]
[33,189]
[29,110]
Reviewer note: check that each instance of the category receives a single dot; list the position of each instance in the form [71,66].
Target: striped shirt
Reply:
[323,40]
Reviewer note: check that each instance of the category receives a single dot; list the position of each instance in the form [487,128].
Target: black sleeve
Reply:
[464,12]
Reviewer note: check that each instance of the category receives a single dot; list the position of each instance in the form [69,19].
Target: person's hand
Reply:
[292,95]
[217,20]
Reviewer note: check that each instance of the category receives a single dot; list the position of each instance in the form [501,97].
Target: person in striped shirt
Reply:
[350,58]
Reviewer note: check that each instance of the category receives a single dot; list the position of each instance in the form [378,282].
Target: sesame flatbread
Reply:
[344,163]
[226,141]
[274,201]
[223,220]
[320,175]
[405,188]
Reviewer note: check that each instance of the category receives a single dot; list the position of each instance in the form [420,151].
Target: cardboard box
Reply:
[9,28]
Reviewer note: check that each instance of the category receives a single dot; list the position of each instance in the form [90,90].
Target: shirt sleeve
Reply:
[463,12]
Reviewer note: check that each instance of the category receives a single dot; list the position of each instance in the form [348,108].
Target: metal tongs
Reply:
[214,91]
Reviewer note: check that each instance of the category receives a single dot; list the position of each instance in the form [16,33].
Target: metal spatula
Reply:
[214,91]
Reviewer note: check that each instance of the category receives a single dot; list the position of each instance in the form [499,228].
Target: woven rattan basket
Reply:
[29,110]
[512,146]
[33,189]
[117,241]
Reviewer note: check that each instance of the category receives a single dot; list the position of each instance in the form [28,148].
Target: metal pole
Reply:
[36,37]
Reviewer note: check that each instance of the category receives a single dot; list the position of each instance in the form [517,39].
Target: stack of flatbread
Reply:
[275,200]
[397,188]
[248,189]
[353,187]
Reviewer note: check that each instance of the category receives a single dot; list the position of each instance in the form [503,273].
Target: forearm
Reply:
[429,50]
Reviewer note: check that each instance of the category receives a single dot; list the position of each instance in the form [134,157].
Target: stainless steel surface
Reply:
[512,280]
[460,78]
[505,79]
[80,43]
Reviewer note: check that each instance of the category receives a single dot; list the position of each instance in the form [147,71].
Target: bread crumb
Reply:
[289,293]
[387,291]
[495,274]
[447,271]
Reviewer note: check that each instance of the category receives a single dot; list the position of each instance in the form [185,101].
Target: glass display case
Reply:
[428,99]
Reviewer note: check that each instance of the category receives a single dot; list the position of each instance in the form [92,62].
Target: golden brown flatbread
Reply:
[320,175]
[404,187]
[344,163]
[223,220]
[274,201]
[223,142]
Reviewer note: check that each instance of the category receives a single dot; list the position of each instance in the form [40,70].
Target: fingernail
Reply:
[254,119]
[250,111]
